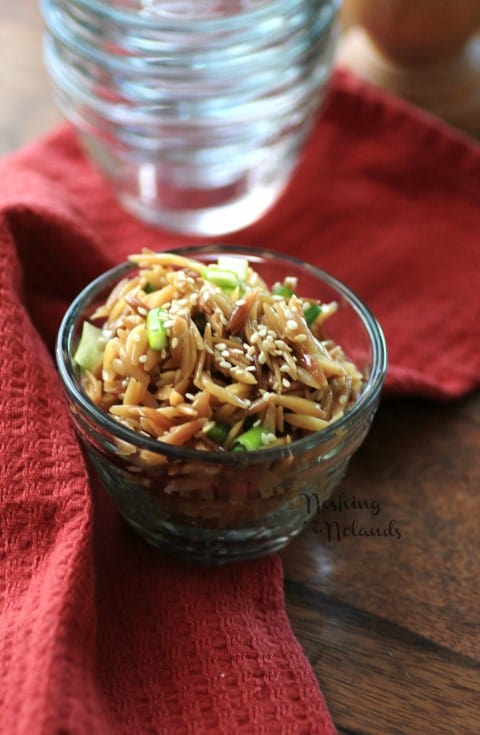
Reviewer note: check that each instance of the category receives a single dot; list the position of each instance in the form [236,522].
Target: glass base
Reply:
[213,548]
[198,201]
[210,532]
[209,222]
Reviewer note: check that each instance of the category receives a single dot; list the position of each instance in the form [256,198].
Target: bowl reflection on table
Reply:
[216,507]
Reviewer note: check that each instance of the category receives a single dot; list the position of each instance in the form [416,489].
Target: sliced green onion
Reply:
[221,277]
[218,433]
[156,332]
[239,266]
[279,289]
[311,312]
[228,273]
[90,349]
[251,439]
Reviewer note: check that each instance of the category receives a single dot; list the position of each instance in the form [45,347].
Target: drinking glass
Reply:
[195,111]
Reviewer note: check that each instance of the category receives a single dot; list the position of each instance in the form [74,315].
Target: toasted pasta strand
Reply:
[309,423]
[300,405]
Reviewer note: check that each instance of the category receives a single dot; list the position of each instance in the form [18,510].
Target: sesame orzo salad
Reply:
[210,357]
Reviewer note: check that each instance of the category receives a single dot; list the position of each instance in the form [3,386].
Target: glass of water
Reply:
[194,110]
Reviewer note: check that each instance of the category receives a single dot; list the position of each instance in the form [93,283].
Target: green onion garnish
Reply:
[228,273]
[221,277]
[90,349]
[156,332]
[311,312]
[218,433]
[239,266]
[251,439]
[279,289]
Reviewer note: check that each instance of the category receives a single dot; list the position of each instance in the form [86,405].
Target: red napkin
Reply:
[98,632]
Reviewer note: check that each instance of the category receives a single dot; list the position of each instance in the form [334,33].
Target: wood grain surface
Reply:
[382,590]
[391,624]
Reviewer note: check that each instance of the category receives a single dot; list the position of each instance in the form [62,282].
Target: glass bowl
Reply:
[215,507]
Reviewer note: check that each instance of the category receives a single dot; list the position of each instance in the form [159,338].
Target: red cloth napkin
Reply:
[98,632]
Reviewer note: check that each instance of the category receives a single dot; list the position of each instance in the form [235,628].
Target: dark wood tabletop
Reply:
[382,590]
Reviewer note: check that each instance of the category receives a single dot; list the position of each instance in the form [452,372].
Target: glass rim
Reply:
[181,25]
[369,394]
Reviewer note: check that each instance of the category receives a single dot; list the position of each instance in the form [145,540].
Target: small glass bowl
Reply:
[218,507]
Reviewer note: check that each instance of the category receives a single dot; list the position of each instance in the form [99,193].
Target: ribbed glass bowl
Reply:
[195,112]
[217,507]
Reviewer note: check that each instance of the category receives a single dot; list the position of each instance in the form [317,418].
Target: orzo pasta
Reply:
[212,358]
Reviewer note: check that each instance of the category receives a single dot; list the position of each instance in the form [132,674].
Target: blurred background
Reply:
[27,108]
[448,85]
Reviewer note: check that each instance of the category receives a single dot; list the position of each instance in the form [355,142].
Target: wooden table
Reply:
[391,624]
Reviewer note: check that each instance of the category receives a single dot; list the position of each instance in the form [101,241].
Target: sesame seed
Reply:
[221,346]
[268,439]
[262,358]
[300,338]
[174,343]
[142,358]
[285,383]
[225,353]
[206,427]
[291,324]
[244,402]
[187,410]
[142,311]
[225,364]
